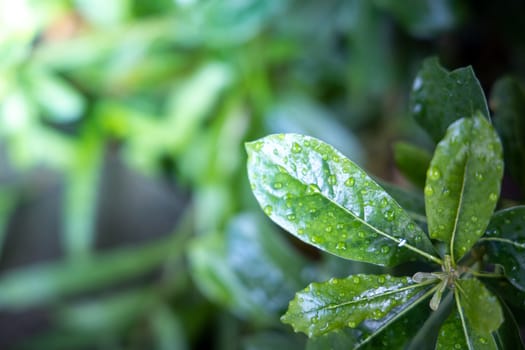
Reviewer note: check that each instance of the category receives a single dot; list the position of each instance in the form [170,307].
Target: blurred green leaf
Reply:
[272,341]
[508,102]
[463,184]
[293,176]
[26,287]
[168,330]
[422,18]
[440,97]
[250,269]
[339,303]
[504,241]
[413,162]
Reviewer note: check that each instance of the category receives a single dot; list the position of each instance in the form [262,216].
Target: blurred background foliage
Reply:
[126,218]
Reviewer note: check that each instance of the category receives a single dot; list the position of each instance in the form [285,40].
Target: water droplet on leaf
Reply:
[268,210]
[341,246]
[429,191]
[350,182]
[277,185]
[434,173]
[296,148]
[385,249]
[332,180]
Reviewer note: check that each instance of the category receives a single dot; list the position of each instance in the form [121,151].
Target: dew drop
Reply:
[332,180]
[352,324]
[340,226]
[312,188]
[328,229]
[390,215]
[493,197]
[434,173]
[333,281]
[381,279]
[429,191]
[300,231]
[296,148]
[268,210]
[384,202]
[350,182]
[340,246]
[479,176]
[291,217]
[277,185]
[258,145]
[356,279]
[384,249]
[361,234]
[317,239]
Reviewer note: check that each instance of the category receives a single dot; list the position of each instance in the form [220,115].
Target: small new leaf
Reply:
[314,192]
[504,241]
[325,307]
[440,97]
[463,184]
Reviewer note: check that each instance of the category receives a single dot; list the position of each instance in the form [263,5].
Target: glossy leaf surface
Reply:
[508,102]
[456,335]
[463,184]
[505,243]
[315,193]
[339,303]
[412,161]
[440,97]
[478,303]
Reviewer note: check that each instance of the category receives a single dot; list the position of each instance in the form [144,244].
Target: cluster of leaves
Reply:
[314,192]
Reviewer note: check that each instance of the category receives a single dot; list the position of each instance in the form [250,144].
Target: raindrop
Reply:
[340,226]
[402,242]
[433,173]
[350,182]
[333,281]
[291,217]
[277,185]
[317,239]
[300,231]
[381,279]
[493,197]
[268,210]
[258,145]
[356,279]
[328,229]
[384,202]
[479,176]
[336,158]
[312,188]
[352,324]
[418,83]
[429,191]
[341,246]
[296,148]
[332,180]
[385,249]
[389,215]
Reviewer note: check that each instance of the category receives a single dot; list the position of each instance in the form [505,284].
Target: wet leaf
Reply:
[440,97]
[324,199]
[457,335]
[249,269]
[340,303]
[508,102]
[463,184]
[504,241]
[508,334]
[477,303]
[412,161]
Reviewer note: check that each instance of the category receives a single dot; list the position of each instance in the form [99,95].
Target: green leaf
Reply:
[440,97]
[508,102]
[249,269]
[508,334]
[481,308]
[455,334]
[339,303]
[412,161]
[324,199]
[505,290]
[463,184]
[421,18]
[504,241]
